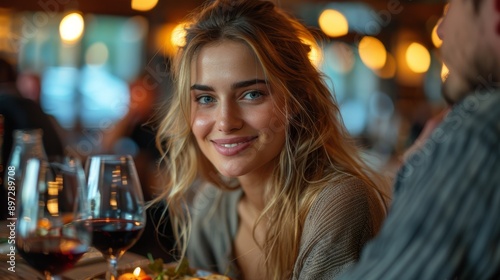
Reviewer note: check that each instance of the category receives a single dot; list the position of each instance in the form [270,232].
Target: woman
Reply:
[285,193]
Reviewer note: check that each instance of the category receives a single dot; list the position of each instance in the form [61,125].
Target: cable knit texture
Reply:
[341,220]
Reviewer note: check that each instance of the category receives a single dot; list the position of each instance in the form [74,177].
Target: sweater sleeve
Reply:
[342,219]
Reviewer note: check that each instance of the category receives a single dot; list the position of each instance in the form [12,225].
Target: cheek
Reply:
[200,125]
[272,127]
[460,59]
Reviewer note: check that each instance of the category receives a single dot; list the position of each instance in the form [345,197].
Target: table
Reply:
[92,263]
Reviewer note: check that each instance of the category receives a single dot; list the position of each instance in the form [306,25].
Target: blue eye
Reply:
[205,99]
[253,94]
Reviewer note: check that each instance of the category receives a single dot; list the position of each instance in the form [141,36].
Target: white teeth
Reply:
[229,145]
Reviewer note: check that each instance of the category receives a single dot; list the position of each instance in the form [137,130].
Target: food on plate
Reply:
[181,271]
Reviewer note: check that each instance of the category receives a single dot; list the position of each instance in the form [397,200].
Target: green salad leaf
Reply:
[159,270]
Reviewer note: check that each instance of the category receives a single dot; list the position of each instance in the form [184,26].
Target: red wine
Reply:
[53,254]
[112,237]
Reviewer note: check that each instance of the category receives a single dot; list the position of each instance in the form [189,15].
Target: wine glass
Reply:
[53,228]
[117,206]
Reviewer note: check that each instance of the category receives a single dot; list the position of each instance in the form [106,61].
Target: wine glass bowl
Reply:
[53,229]
[116,205]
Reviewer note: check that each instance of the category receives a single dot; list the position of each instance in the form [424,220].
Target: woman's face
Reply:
[234,119]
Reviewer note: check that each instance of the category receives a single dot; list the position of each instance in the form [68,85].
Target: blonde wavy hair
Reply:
[318,151]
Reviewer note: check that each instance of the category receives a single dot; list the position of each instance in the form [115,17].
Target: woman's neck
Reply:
[254,185]
[254,193]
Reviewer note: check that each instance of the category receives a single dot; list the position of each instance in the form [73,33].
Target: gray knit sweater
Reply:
[342,219]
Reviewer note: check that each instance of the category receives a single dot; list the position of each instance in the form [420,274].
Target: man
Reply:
[444,222]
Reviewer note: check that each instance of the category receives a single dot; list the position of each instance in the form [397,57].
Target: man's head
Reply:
[471,40]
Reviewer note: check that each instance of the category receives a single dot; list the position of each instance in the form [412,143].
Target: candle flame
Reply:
[137,271]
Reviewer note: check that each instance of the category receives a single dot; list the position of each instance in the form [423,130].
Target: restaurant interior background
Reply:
[381,58]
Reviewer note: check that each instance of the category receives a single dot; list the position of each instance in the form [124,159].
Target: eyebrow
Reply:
[234,86]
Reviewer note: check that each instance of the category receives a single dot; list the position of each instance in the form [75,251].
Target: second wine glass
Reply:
[53,228]
[116,204]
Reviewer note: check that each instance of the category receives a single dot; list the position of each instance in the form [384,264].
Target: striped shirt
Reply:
[444,222]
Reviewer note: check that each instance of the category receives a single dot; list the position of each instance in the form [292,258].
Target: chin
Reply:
[230,170]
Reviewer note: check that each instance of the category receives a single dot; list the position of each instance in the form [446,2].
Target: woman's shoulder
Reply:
[346,189]
[347,198]
[340,221]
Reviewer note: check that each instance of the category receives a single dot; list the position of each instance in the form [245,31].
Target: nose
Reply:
[440,27]
[229,118]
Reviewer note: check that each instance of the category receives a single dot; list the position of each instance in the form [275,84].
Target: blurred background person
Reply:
[134,134]
[23,113]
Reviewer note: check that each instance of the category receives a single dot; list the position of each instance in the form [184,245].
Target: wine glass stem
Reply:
[49,276]
[112,273]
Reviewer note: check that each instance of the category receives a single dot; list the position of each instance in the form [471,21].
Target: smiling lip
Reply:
[232,146]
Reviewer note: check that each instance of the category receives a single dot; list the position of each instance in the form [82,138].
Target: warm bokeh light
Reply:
[444,72]
[178,35]
[418,58]
[389,69]
[372,52]
[169,37]
[315,55]
[333,23]
[434,36]
[143,5]
[97,54]
[4,26]
[162,35]
[71,28]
